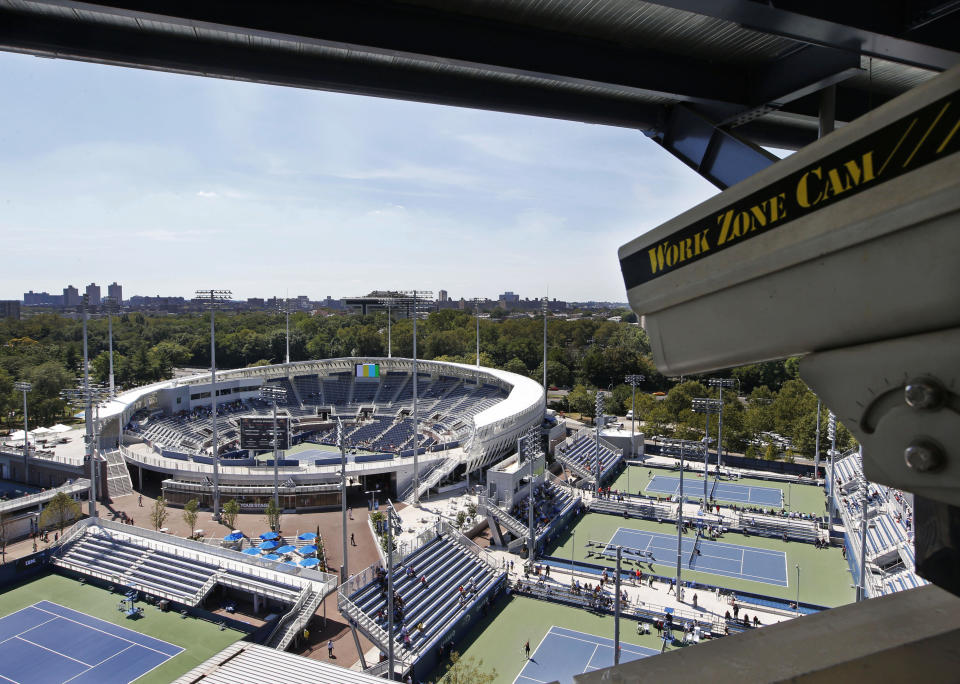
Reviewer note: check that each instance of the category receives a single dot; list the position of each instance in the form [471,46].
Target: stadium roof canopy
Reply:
[707,79]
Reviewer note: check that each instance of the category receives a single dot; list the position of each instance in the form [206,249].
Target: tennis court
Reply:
[47,643]
[564,653]
[718,558]
[723,491]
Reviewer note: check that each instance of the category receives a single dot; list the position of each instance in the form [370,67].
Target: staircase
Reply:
[118,477]
[514,526]
[295,620]
[432,479]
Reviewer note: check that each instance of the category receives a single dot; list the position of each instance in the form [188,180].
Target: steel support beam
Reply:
[721,157]
[855,26]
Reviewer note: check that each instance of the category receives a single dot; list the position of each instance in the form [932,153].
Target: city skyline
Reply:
[169,183]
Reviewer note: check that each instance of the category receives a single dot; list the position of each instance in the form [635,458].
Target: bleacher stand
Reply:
[579,452]
[433,588]
[889,540]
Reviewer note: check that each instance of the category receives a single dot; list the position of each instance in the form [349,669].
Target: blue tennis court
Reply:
[718,558]
[47,643]
[564,653]
[723,491]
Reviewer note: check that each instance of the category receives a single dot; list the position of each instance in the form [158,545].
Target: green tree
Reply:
[231,509]
[467,671]
[158,514]
[581,401]
[190,513]
[59,511]
[272,515]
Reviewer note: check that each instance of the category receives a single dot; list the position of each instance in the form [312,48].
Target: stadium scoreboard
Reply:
[367,370]
[256,433]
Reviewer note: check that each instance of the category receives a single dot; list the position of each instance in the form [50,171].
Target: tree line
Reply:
[587,354]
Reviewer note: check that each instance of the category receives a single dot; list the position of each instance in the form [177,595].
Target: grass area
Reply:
[199,638]
[824,574]
[798,498]
[498,638]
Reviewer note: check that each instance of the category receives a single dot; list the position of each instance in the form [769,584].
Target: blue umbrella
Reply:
[267,536]
[309,563]
[286,549]
[271,556]
[307,536]
[251,552]
[290,562]
[306,550]
[234,536]
[268,545]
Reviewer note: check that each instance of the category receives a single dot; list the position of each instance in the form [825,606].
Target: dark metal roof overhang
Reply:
[751,70]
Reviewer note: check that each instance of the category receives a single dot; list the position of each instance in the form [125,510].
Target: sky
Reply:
[168,184]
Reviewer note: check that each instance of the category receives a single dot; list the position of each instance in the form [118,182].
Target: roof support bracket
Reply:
[718,155]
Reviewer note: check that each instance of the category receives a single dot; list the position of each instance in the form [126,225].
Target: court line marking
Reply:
[776,581]
[596,646]
[64,655]
[96,629]
[527,661]
[9,680]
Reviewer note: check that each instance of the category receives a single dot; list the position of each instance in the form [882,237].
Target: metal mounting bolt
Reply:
[923,457]
[923,393]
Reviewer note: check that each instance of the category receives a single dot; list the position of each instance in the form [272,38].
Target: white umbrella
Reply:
[60,427]
[40,431]
[17,436]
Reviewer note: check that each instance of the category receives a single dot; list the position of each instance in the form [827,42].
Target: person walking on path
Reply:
[353,542]
[140,501]
[330,648]
[526,649]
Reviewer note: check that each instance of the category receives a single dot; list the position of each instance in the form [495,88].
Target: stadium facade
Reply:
[468,418]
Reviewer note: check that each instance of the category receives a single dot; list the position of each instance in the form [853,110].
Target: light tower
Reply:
[706,406]
[285,309]
[598,418]
[89,395]
[528,447]
[213,300]
[389,302]
[342,444]
[832,434]
[111,306]
[476,308]
[679,447]
[25,387]
[721,383]
[633,381]
[546,312]
[273,394]
[415,301]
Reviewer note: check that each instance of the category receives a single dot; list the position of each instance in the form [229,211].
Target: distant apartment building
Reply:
[115,292]
[71,296]
[10,308]
[93,294]
[32,298]
[509,298]
[442,296]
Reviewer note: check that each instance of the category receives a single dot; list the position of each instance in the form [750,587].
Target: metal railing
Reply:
[510,522]
[75,487]
[448,530]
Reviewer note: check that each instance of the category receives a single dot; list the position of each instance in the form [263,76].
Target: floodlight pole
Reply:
[832,434]
[721,383]
[274,394]
[212,298]
[531,555]
[633,381]
[389,332]
[599,419]
[342,443]
[110,306]
[546,309]
[680,524]
[861,587]
[798,589]
[816,448]
[707,406]
[616,610]
[416,415]
[476,303]
[390,655]
[25,387]
[88,417]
